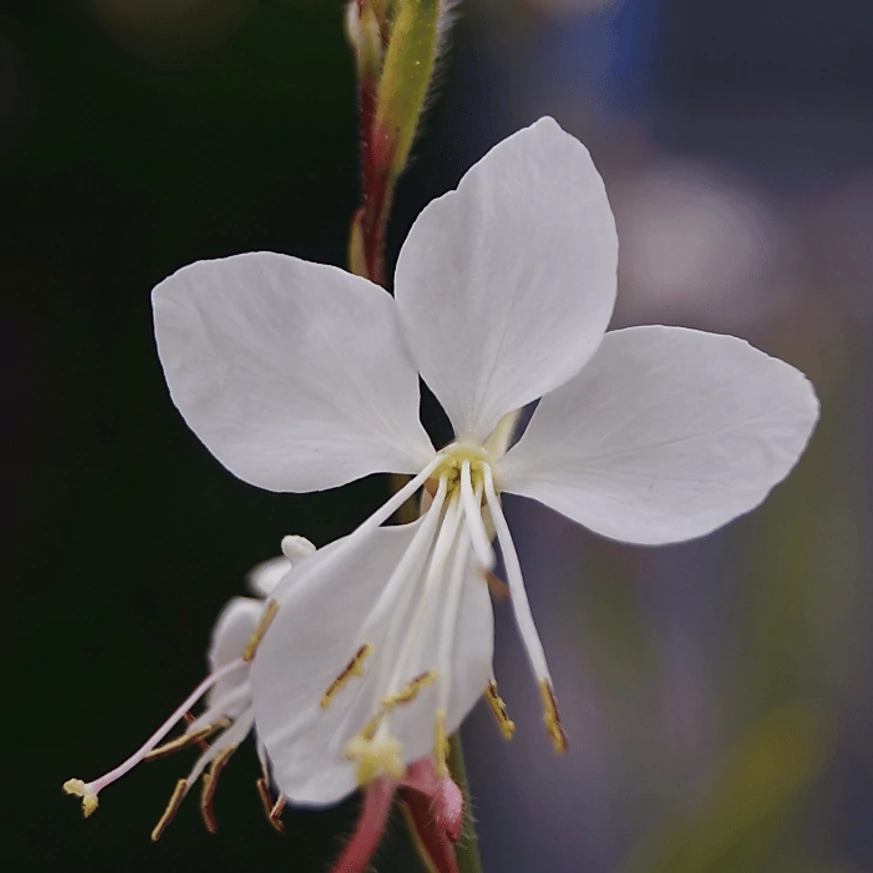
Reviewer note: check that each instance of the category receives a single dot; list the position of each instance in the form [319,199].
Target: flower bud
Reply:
[365,30]
[406,74]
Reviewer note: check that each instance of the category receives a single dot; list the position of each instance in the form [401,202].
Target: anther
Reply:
[441,745]
[552,718]
[498,707]
[498,588]
[186,740]
[275,815]
[273,810]
[355,667]
[176,799]
[189,719]
[78,788]
[263,627]
[370,728]
[210,786]
[411,691]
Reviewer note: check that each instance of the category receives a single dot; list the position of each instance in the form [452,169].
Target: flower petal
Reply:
[235,625]
[666,435]
[264,577]
[293,374]
[324,607]
[506,285]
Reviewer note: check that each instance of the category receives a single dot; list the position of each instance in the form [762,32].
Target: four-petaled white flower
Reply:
[227,693]
[300,377]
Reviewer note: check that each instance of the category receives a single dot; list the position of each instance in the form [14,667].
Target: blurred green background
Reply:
[717,694]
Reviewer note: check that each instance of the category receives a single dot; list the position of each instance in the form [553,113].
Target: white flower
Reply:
[228,700]
[301,377]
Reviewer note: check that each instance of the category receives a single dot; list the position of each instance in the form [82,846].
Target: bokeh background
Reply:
[717,694]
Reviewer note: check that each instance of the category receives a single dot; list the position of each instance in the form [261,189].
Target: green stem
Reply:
[467,847]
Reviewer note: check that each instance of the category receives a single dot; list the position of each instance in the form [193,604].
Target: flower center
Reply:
[452,468]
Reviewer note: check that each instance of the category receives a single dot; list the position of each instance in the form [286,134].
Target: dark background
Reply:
[716,694]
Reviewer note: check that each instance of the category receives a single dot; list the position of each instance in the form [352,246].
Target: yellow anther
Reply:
[552,718]
[263,627]
[411,691]
[176,799]
[355,667]
[498,707]
[210,786]
[78,788]
[379,756]
[182,742]
[370,728]
[441,745]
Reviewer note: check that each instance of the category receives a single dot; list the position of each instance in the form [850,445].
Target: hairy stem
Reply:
[467,847]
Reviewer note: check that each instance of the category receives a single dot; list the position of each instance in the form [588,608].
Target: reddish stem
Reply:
[370,828]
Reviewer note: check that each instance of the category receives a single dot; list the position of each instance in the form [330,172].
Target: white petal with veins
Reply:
[329,608]
[506,285]
[666,435]
[294,375]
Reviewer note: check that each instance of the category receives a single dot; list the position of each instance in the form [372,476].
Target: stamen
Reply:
[447,643]
[272,810]
[370,728]
[381,515]
[276,813]
[89,791]
[411,691]
[263,627]
[398,590]
[473,513]
[176,799]
[421,543]
[189,719]
[441,745]
[230,739]
[498,707]
[210,786]
[524,617]
[265,795]
[355,667]
[552,718]
[186,740]
[520,603]
[217,710]
[498,588]
[441,549]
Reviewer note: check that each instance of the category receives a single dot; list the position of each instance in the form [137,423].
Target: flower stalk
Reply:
[467,847]
[395,60]
[395,48]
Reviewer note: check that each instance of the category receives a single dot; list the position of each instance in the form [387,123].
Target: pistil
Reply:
[89,791]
